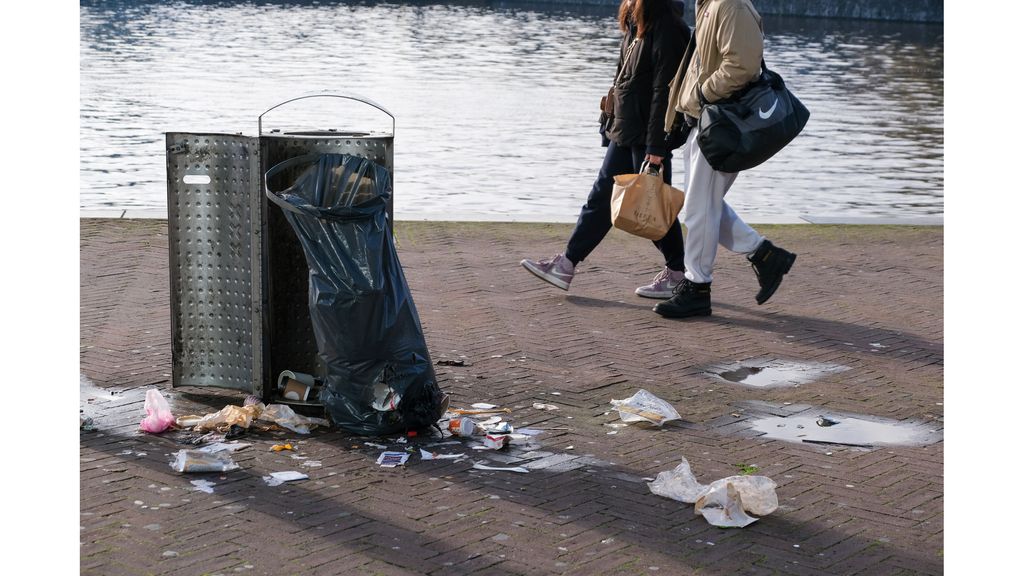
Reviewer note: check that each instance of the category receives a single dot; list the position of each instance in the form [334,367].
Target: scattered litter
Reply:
[402,440]
[392,459]
[385,399]
[462,427]
[224,419]
[570,447]
[198,439]
[556,393]
[464,412]
[196,461]
[724,503]
[223,447]
[295,386]
[498,428]
[644,406]
[435,456]
[373,445]
[86,425]
[531,431]
[496,442]
[722,506]
[483,406]
[235,431]
[203,486]
[520,469]
[312,464]
[278,478]
[825,421]
[280,447]
[451,363]
[542,406]
[158,413]
[490,421]
[284,416]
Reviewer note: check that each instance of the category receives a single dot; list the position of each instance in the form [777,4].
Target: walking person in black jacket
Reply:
[654,38]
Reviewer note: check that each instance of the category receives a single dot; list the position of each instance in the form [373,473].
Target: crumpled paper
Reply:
[725,503]
[256,415]
[645,407]
[224,419]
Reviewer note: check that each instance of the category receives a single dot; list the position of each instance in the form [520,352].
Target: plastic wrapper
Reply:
[284,416]
[197,461]
[158,413]
[224,419]
[725,502]
[379,378]
[645,407]
[722,506]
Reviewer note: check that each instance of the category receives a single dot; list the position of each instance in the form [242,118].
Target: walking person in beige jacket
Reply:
[729,49]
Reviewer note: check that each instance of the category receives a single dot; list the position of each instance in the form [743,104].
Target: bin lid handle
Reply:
[326,94]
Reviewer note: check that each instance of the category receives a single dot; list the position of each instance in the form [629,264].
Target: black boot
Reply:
[689,299]
[770,264]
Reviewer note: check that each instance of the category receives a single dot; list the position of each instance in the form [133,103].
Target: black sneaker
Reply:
[770,264]
[689,299]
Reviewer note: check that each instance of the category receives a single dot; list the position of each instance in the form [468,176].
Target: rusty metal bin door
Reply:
[211,179]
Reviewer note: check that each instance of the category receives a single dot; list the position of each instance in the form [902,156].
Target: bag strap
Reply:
[622,65]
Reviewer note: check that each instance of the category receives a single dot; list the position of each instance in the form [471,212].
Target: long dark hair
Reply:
[641,13]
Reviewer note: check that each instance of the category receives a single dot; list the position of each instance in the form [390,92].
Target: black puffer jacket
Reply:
[641,93]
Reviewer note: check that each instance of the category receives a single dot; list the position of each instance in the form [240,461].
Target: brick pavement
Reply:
[869,298]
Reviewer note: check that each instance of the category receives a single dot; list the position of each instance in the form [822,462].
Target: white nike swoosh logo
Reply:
[765,115]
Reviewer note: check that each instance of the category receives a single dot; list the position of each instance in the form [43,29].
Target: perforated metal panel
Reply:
[239,279]
[211,179]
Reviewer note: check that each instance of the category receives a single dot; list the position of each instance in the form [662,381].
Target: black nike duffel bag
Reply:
[750,127]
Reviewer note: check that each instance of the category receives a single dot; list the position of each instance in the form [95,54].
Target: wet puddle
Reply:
[88,392]
[831,428]
[771,373]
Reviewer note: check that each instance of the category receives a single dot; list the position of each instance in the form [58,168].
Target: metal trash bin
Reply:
[238,277]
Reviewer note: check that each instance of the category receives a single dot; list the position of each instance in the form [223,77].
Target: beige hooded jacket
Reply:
[730,45]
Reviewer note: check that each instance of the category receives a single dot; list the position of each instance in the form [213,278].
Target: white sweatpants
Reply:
[708,219]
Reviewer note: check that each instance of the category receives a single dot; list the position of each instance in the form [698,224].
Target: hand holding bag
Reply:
[644,205]
[748,128]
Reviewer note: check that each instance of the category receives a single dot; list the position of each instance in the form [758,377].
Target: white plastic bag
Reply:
[645,407]
[725,502]
[158,413]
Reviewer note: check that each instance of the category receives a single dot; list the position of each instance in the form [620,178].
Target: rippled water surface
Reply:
[496,103]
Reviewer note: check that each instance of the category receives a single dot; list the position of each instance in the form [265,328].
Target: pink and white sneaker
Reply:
[662,285]
[559,270]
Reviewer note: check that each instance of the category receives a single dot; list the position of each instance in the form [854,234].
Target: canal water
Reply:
[496,102]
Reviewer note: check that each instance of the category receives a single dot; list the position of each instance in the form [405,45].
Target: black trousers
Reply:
[596,216]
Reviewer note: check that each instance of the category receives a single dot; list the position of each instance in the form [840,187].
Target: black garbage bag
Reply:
[379,376]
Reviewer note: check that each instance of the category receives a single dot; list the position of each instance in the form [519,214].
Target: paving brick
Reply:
[579,511]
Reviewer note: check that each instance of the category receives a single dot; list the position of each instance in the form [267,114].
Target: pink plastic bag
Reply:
[158,413]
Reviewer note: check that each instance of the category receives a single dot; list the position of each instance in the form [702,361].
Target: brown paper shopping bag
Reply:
[644,205]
